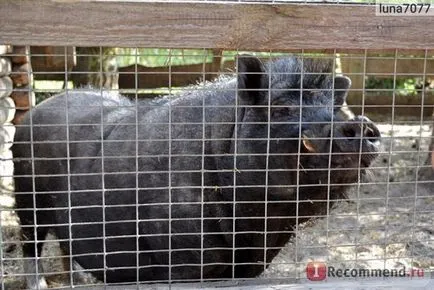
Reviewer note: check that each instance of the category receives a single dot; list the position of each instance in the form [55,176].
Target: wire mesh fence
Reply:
[164,166]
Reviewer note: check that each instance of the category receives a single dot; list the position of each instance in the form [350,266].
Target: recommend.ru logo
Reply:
[318,271]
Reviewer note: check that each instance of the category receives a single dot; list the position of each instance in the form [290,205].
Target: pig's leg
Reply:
[77,276]
[66,263]
[33,225]
[32,265]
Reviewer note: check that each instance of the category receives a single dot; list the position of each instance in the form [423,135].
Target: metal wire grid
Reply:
[389,152]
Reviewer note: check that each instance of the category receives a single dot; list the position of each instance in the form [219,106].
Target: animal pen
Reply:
[256,144]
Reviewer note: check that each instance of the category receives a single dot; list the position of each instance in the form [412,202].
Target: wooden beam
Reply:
[52,58]
[387,67]
[208,25]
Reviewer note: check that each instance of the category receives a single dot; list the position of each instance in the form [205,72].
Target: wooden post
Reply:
[7,129]
[22,80]
[52,62]
[7,106]
[181,75]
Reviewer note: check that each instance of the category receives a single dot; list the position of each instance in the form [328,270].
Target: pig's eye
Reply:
[277,112]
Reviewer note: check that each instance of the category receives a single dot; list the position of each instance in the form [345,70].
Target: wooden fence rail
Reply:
[208,25]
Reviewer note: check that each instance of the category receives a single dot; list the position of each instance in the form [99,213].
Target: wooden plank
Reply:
[19,115]
[20,54]
[390,52]
[24,98]
[139,76]
[52,58]
[356,68]
[208,25]
[21,75]
[387,67]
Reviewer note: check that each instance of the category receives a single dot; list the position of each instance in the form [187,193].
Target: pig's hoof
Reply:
[36,282]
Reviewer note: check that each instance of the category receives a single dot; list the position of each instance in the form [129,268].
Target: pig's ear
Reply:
[251,79]
[342,85]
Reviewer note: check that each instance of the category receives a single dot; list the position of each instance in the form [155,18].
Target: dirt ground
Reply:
[387,222]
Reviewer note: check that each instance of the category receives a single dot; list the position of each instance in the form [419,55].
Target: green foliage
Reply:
[160,57]
[153,57]
[45,89]
[401,86]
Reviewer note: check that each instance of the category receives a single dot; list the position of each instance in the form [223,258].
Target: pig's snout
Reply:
[361,127]
[360,135]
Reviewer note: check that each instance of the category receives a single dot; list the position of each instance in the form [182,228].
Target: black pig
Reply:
[207,185]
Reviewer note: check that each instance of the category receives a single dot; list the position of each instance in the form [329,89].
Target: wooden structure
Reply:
[52,61]
[319,28]
[83,66]
[207,25]
[393,65]
[345,29]
[94,66]
[7,106]
[141,77]
[22,78]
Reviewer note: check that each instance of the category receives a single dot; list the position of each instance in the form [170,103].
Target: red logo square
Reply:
[316,271]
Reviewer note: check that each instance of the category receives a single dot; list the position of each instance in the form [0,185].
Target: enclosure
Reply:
[188,69]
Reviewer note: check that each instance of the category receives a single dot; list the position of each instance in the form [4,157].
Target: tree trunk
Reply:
[96,67]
